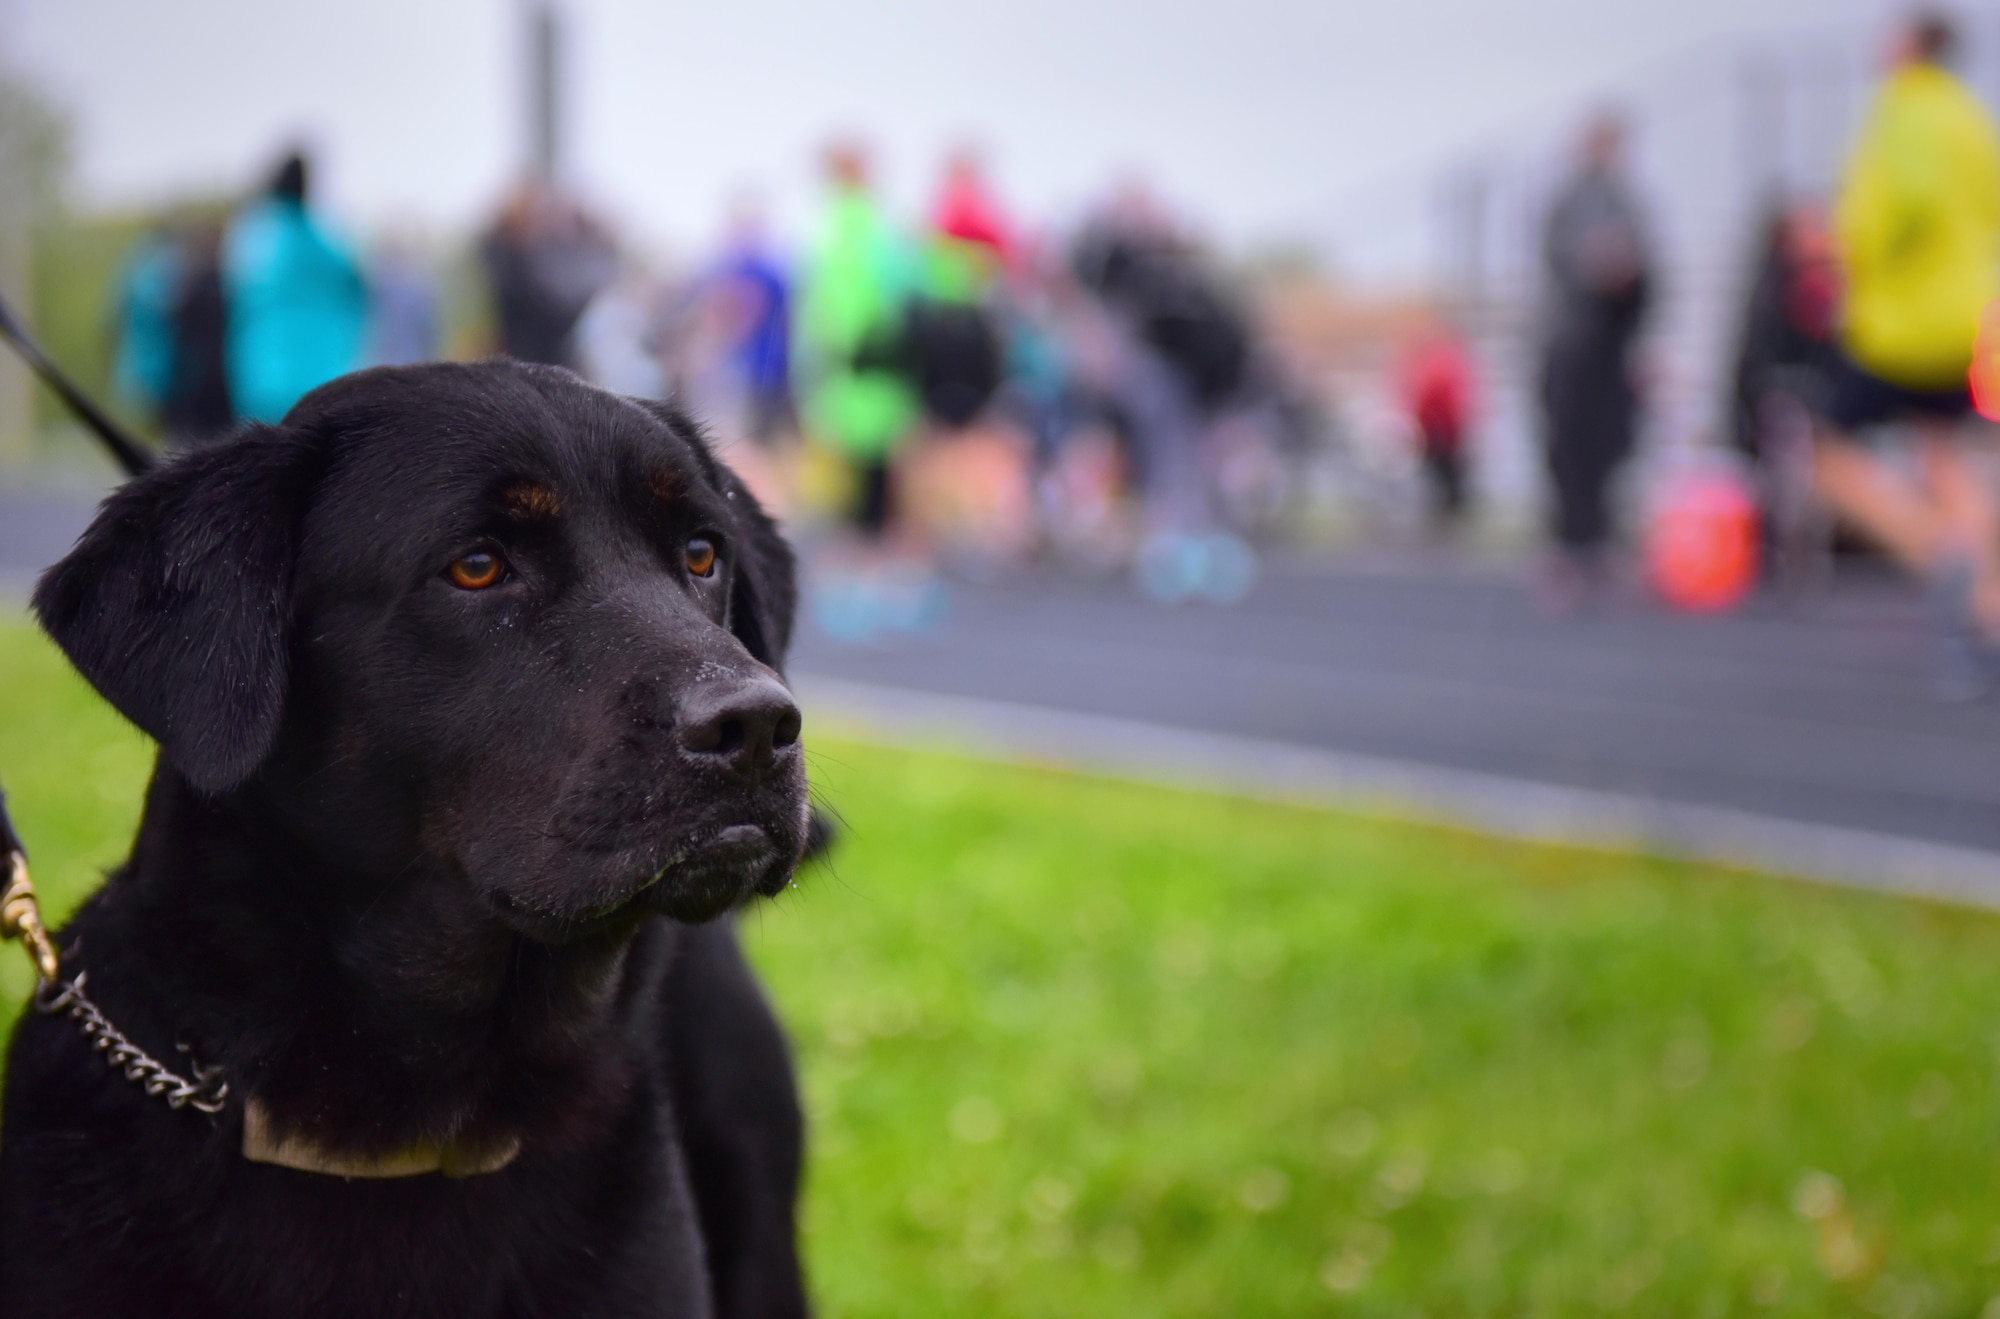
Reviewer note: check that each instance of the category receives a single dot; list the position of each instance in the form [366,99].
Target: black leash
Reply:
[20,917]
[57,995]
[126,449]
[133,456]
[20,913]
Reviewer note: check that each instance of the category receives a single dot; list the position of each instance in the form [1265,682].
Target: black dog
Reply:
[465,684]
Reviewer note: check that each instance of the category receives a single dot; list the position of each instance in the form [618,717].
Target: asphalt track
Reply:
[1794,735]
[1797,736]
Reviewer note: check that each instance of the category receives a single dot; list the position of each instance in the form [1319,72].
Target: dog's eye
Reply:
[700,557]
[477,571]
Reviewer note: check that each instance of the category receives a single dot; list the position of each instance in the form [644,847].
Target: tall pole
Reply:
[1987,41]
[545,89]
[1463,213]
[1761,131]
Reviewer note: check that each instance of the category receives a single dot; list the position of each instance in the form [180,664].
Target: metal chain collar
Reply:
[207,1093]
[21,918]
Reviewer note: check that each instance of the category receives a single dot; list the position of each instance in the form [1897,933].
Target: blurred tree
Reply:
[34,154]
[79,259]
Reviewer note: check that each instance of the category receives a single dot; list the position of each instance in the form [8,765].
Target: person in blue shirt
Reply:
[761,355]
[298,305]
[405,310]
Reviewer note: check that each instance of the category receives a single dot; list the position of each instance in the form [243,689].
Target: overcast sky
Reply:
[1252,113]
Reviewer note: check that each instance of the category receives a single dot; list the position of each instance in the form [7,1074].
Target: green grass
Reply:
[1077,1047]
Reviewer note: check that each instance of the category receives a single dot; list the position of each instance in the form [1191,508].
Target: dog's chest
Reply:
[84,1234]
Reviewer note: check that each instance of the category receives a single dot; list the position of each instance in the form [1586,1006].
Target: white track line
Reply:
[1491,803]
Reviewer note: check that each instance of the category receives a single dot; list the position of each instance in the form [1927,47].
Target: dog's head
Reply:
[482,617]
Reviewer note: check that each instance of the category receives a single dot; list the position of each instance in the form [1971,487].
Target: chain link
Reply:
[207,1093]
[21,918]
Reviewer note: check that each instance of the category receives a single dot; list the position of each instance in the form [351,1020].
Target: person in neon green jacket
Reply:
[1919,230]
[853,290]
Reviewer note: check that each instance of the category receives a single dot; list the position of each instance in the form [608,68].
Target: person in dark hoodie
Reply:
[545,259]
[1782,348]
[197,407]
[1788,318]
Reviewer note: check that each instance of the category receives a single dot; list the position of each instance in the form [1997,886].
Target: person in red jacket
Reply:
[968,212]
[1439,396]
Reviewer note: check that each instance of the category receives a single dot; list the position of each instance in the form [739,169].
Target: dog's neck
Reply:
[365,1011]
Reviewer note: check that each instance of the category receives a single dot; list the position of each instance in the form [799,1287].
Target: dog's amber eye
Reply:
[476,571]
[700,557]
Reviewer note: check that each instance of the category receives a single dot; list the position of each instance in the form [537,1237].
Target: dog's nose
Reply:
[745,725]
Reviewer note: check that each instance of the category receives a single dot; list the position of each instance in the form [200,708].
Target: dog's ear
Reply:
[176,602]
[764,594]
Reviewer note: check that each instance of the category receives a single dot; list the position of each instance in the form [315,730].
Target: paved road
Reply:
[33,533]
[1812,714]
[1815,715]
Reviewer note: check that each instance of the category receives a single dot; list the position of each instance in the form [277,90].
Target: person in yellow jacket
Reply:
[1919,233]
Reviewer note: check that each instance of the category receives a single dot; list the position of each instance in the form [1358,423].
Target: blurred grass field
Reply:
[1078,1047]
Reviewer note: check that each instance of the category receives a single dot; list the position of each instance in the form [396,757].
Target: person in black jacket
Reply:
[1600,284]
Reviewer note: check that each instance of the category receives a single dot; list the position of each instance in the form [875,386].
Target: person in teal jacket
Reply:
[298,305]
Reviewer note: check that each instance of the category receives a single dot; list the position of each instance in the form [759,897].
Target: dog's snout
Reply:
[746,725]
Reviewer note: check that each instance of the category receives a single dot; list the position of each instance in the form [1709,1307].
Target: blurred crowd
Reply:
[962,391]
[957,391]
